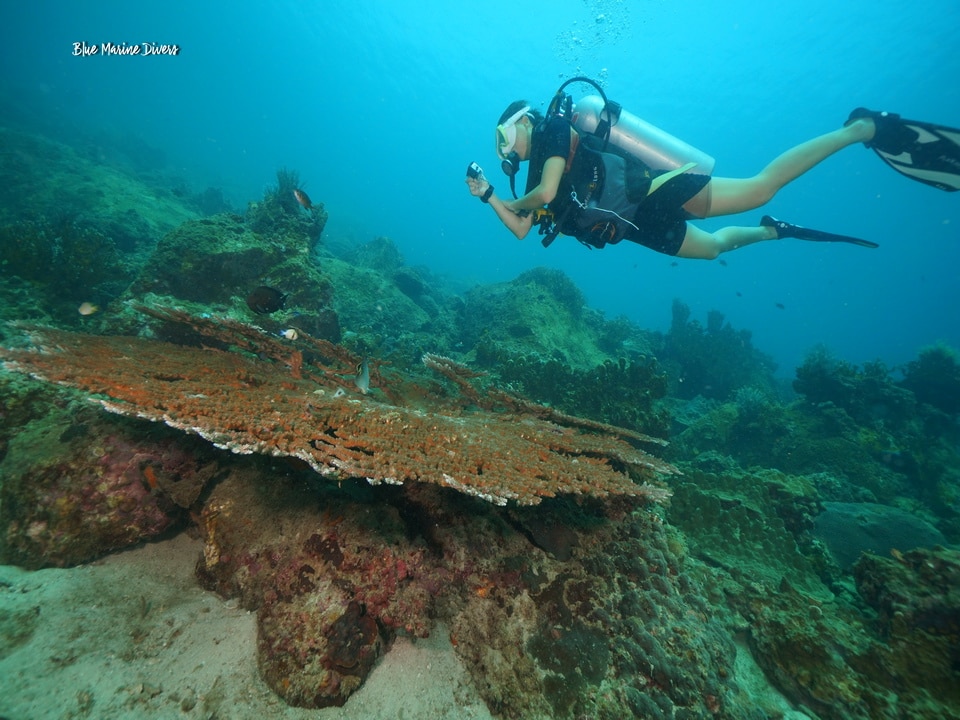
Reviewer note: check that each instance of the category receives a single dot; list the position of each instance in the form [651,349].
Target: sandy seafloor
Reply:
[134,636]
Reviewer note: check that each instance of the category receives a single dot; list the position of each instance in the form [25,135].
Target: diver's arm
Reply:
[519,225]
[546,191]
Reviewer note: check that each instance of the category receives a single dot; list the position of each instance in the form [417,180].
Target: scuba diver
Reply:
[602,175]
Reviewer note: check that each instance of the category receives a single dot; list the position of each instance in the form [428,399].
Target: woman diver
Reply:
[602,175]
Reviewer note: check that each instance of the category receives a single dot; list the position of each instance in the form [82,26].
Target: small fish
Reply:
[722,262]
[303,199]
[265,300]
[781,306]
[290,334]
[87,308]
[674,264]
[739,294]
[362,380]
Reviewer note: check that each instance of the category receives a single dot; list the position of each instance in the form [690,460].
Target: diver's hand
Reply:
[478,186]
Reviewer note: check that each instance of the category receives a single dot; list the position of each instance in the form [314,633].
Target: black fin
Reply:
[788,230]
[922,151]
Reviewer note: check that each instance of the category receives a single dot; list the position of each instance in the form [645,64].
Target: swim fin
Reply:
[922,151]
[788,230]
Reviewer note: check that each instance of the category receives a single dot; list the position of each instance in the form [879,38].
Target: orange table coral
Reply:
[258,394]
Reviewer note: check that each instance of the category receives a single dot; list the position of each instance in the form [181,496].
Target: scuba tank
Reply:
[608,121]
[630,135]
[656,148]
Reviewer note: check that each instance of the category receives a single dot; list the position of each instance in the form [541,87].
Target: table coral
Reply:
[297,399]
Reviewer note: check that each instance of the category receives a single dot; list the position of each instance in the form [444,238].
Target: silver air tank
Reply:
[651,145]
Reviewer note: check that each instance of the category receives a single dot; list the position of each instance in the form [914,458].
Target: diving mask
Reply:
[507,133]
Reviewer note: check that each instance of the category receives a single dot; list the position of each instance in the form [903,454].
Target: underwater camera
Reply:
[474,171]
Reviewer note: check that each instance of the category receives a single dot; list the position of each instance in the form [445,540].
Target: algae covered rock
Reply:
[849,529]
[387,308]
[754,524]
[541,311]
[917,599]
[77,485]
[616,628]
[218,261]
[75,227]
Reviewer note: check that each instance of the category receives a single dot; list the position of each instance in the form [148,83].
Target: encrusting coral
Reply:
[297,398]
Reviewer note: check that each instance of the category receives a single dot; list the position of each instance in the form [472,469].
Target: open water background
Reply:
[381,105]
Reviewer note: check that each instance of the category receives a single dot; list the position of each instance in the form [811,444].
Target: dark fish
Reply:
[674,264]
[739,294]
[781,306]
[303,199]
[722,262]
[265,300]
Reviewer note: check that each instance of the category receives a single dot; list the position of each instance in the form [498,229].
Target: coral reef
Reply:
[623,393]
[85,263]
[616,629]
[529,531]
[294,404]
[78,484]
[540,312]
[389,309]
[755,531]
[868,394]
[916,596]
[934,379]
[755,525]
[892,440]
[216,262]
[280,214]
[856,424]
[713,361]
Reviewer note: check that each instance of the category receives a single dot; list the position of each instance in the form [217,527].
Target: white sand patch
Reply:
[134,636]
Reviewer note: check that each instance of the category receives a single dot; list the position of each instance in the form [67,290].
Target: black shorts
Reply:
[661,219]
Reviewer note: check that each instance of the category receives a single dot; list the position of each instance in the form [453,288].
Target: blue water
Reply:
[380,106]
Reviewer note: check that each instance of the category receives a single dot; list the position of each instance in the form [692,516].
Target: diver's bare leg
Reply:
[702,245]
[734,195]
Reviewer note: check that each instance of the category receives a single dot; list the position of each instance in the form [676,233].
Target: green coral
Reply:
[73,259]
[712,361]
[625,393]
[216,262]
[867,394]
[279,213]
[934,378]
[860,421]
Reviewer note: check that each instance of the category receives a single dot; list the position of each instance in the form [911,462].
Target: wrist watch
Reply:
[486,196]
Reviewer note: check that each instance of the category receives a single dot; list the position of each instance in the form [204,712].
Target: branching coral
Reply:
[297,399]
[712,361]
